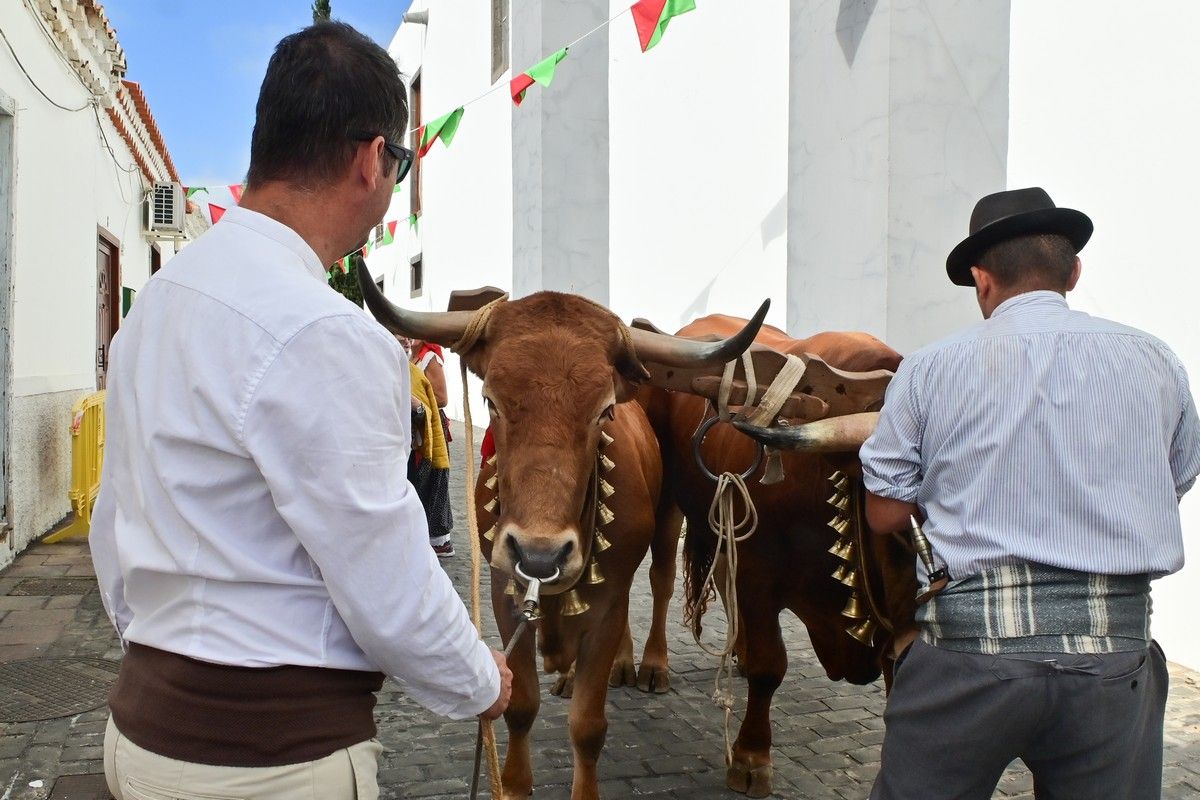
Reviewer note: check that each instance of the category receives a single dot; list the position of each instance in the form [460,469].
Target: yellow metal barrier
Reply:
[87,458]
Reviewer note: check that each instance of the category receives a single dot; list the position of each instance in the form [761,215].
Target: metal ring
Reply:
[698,439]
[527,578]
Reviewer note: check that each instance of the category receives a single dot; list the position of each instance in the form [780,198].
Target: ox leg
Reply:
[517,776]
[624,672]
[766,663]
[653,675]
[587,719]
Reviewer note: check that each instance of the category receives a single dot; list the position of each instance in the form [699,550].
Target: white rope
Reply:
[485,725]
[729,534]
[778,392]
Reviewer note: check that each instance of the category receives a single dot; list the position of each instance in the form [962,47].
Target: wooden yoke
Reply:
[823,391]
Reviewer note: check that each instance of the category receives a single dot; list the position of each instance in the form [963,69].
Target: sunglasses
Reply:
[400,153]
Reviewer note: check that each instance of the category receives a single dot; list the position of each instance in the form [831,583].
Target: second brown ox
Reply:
[571,495]
[788,562]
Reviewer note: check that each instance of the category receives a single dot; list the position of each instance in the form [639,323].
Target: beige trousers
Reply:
[137,774]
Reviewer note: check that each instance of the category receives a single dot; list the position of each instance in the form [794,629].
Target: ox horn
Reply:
[844,434]
[679,351]
[441,327]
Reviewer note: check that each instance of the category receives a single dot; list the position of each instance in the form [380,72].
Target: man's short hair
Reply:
[1040,260]
[322,84]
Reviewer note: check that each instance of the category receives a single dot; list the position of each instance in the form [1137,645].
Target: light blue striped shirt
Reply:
[1041,435]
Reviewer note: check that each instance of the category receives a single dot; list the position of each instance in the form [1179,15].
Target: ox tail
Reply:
[699,550]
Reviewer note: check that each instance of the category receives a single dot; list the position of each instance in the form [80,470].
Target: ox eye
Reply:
[491,407]
[609,413]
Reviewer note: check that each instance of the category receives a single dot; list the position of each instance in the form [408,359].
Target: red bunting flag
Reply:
[541,73]
[651,18]
[236,190]
[444,128]
[215,212]
[389,233]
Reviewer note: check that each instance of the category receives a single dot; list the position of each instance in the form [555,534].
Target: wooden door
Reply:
[108,299]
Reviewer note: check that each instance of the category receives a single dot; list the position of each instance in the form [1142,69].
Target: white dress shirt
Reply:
[254,508]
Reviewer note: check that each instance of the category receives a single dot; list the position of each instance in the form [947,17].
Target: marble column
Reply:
[898,123]
[560,152]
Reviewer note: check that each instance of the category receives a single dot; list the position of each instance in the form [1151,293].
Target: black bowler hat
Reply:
[1006,215]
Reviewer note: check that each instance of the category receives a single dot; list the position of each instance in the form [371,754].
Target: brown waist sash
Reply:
[206,713]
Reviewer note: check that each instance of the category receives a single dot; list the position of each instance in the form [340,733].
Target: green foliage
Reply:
[346,283]
[321,11]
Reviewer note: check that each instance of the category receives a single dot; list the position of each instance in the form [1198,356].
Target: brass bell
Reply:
[605,513]
[602,544]
[491,482]
[606,488]
[842,484]
[840,524]
[490,534]
[605,439]
[853,608]
[863,632]
[836,476]
[843,549]
[491,461]
[511,588]
[839,501]
[572,605]
[851,578]
[840,573]
[607,463]
[490,506]
[594,575]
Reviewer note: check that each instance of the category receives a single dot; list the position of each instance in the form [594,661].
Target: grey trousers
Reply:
[1087,726]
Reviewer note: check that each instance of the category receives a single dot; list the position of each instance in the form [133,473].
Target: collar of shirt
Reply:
[1042,298]
[276,231]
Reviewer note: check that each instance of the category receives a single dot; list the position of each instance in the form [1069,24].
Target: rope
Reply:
[470,337]
[729,534]
[487,733]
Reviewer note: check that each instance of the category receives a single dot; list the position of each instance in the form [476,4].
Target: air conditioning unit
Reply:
[165,210]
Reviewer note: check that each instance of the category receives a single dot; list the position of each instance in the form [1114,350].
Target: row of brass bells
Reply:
[572,604]
[863,629]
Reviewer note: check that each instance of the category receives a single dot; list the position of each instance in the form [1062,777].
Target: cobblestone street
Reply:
[827,735]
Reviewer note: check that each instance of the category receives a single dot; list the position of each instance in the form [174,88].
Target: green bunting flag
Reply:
[389,233]
[651,18]
[397,189]
[191,190]
[412,221]
[444,128]
[541,73]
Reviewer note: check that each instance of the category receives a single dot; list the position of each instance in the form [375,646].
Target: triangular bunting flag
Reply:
[215,212]
[345,265]
[444,128]
[191,190]
[389,233]
[236,190]
[651,17]
[412,220]
[541,73]
[396,190]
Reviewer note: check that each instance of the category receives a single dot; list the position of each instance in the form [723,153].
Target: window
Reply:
[379,284]
[416,276]
[377,234]
[155,259]
[414,174]
[500,12]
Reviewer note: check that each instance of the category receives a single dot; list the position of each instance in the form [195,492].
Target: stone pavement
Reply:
[827,735]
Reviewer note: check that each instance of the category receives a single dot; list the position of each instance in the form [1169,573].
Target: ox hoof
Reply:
[623,674]
[653,679]
[750,781]
[564,686]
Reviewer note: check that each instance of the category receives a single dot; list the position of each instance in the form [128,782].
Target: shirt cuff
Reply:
[881,488]
[489,687]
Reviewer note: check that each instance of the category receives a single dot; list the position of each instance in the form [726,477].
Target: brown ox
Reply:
[787,563]
[557,370]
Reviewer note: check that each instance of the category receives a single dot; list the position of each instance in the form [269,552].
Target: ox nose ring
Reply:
[529,606]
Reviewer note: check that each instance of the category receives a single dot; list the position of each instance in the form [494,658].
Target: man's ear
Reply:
[369,162]
[1075,274]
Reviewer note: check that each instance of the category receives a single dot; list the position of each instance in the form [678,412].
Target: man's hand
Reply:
[501,703]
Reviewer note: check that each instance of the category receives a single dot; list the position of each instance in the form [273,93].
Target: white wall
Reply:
[66,184]
[698,165]
[1103,118]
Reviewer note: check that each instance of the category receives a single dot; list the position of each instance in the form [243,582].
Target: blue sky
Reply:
[201,63]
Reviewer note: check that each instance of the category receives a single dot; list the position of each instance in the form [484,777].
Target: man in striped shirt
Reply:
[1046,451]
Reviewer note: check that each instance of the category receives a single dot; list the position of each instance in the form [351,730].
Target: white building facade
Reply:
[79,150]
[824,154]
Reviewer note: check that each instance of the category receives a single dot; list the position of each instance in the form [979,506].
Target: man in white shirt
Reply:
[258,546]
